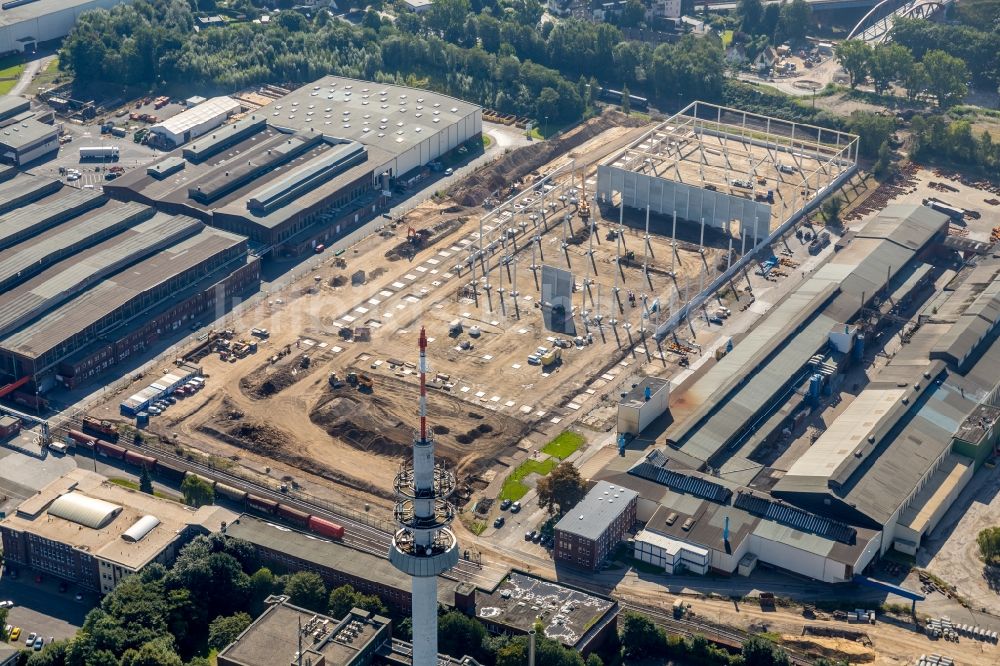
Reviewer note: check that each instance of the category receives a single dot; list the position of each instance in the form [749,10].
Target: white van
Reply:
[59,447]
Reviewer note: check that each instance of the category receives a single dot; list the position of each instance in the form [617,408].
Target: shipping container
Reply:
[140,460]
[110,450]
[229,492]
[293,515]
[261,504]
[326,528]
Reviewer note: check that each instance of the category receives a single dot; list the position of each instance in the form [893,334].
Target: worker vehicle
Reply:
[551,357]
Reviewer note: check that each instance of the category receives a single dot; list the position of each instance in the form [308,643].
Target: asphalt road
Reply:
[41,608]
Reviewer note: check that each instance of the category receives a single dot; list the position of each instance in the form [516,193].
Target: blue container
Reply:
[859,348]
[142,420]
[815,384]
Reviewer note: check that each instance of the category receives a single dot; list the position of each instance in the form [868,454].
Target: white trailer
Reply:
[98,153]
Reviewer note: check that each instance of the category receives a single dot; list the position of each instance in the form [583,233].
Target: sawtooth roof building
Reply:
[885,469]
[307,167]
[89,282]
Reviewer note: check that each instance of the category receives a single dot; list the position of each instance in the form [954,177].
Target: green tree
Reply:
[3,622]
[626,102]
[224,630]
[989,543]
[946,77]
[157,652]
[460,634]
[640,637]
[795,19]
[633,14]
[830,211]
[855,57]
[197,491]
[345,597]
[306,589]
[758,651]
[888,63]
[751,12]
[873,130]
[53,654]
[562,489]
[883,168]
[262,585]
[448,17]
[145,481]
[915,80]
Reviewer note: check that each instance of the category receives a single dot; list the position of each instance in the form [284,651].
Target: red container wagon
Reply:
[262,504]
[110,450]
[139,460]
[169,471]
[326,528]
[293,515]
[105,429]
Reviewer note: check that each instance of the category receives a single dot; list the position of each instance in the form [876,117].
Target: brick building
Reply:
[592,529]
[86,530]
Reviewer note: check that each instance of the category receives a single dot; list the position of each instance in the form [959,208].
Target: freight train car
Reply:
[169,471]
[261,504]
[229,492]
[110,450]
[325,528]
[80,439]
[300,518]
[140,460]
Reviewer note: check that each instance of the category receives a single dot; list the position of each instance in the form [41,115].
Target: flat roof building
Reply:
[588,532]
[307,167]
[642,405]
[360,638]
[32,22]
[26,141]
[195,121]
[87,530]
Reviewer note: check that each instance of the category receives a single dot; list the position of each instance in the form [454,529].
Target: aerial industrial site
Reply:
[376,325]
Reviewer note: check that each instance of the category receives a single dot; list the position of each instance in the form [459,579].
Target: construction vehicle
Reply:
[334,381]
[761,195]
[551,357]
[365,383]
[352,378]
[304,361]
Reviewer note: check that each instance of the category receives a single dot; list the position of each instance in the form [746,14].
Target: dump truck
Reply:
[365,383]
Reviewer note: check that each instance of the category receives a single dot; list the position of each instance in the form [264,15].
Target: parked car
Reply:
[529,536]
[31,639]
[449,171]
[504,505]
[15,634]
[536,537]
[39,643]
[499,522]
[515,507]
[6,604]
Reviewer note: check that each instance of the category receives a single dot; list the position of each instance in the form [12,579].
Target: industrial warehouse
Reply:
[24,24]
[307,167]
[90,282]
[731,488]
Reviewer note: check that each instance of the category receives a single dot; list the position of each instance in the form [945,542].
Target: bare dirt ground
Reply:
[283,421]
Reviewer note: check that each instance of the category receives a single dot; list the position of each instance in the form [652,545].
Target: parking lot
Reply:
[41,608]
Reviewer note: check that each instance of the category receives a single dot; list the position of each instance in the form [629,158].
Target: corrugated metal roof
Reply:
[208,110]
[765,507]
[31,257]
[18,224]
[23,188]
[84,510]
[90,307]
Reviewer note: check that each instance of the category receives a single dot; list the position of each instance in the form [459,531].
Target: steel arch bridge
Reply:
[876,26]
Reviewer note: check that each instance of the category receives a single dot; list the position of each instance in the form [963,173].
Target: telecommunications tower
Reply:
[424,547]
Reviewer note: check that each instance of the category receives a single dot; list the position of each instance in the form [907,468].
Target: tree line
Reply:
[938,74]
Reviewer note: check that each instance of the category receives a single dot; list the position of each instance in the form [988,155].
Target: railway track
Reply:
[730,638]
[359,535]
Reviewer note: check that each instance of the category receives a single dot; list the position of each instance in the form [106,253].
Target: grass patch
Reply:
[477,527]
[487,141]
[48,77]
[564,445]
[133,485]
[513,488]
